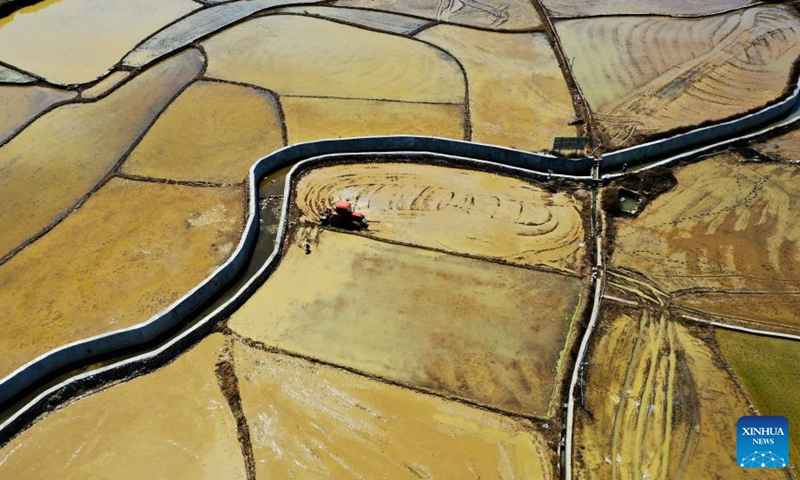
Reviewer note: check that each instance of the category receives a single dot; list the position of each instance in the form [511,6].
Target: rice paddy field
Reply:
[439,342]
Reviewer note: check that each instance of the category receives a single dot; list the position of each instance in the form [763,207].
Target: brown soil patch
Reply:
[128,253]
[659,405]
[455,210]
[311,421]
[644,76]
[173,423]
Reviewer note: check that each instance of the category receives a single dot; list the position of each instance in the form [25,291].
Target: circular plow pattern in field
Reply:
[438,208]
[647,75]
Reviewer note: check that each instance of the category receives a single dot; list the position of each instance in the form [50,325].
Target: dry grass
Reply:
[644,76]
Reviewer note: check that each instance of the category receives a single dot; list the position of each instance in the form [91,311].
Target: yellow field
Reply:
[213,132]
[295,55]
[128,253]
[724,241]
[455,210]
[311,421]
[80,40]
[309,118]
[769,369]
[643,76]
[518,96]
[22,104]
[173,423]
[659,405]
[59,158]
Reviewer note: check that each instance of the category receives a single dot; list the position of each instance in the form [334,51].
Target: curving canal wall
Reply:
[480,155]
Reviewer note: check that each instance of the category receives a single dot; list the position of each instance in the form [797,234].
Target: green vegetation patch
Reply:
[769,369]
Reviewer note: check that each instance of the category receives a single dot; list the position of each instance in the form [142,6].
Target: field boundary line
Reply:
[728,326]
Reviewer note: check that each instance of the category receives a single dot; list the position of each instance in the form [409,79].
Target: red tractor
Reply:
[343,216]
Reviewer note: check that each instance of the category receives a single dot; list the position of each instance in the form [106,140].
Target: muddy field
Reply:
[583,8]
[488,333]
[145,428]
[658,403]
[784,147]
[643,76]
[769,370]
[224,410]
[457,211]
[79,280]
[58,40]
[723,242]
[357,314]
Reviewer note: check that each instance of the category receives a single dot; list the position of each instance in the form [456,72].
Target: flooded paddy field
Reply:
[58,159]
[723,242]
[58,40]
[491,14]
[227,410]
[658,402]
[517,94]
[213,132]
[644,76]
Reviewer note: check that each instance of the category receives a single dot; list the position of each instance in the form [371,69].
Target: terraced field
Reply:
[644,76]
[438,342]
